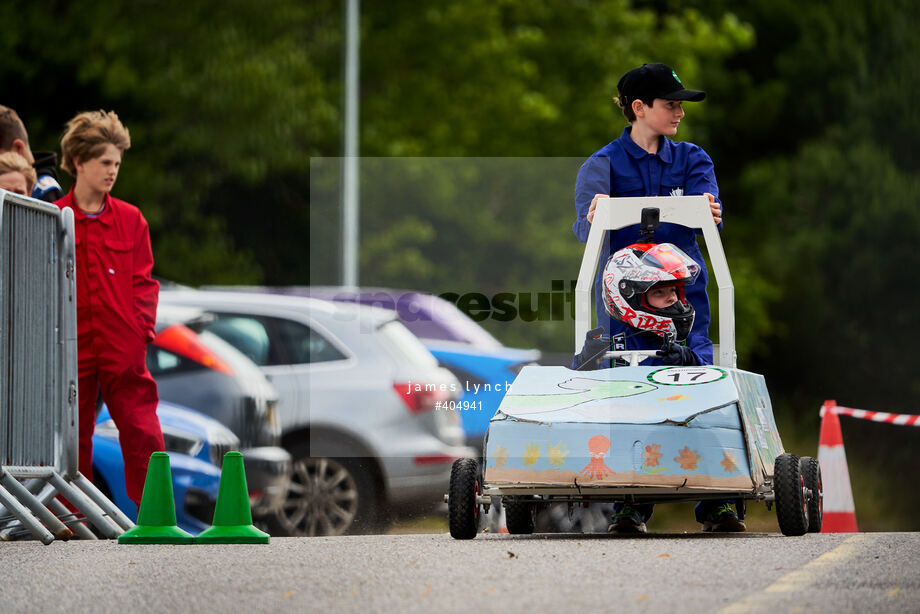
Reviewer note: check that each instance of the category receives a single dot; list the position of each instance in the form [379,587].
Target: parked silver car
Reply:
[366,412]
[203,372]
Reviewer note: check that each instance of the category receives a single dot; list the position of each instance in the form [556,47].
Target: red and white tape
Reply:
[875,416]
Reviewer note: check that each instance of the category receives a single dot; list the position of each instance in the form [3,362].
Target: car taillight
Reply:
[422,397]
[435,459]
[181,340]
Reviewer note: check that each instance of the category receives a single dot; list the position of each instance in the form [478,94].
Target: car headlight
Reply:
[182,442]
[271,413]
[220,440]
[174,440]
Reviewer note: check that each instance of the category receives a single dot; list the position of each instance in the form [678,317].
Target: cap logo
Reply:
[676,77]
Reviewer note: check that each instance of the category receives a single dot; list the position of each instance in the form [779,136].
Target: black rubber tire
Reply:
[519,516]
[348,485]
[788,488]
[462,504]
[811,471]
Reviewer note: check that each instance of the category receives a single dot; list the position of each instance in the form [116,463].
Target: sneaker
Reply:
[724,520]
[626,522]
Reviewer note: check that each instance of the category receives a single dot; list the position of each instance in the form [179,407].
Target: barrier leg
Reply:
[77,525]
[50,521]
[100,499]
[25,517]
[83,503]
[47,494]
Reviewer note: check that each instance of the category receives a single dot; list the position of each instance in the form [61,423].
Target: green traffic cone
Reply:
[232,516]
[156,519]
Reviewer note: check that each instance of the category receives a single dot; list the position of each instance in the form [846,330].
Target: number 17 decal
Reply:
[687,376]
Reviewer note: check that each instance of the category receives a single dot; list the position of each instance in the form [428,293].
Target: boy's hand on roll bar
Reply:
[593,206]
[715,207]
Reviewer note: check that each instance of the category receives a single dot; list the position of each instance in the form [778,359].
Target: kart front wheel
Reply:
[811,473]
[789,490]
[462,500]
[519,516]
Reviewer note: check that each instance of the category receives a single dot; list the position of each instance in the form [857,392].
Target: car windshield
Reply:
[402,341]
[240,363]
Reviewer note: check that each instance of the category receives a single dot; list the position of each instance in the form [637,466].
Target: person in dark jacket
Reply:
[13,137]
[47,187]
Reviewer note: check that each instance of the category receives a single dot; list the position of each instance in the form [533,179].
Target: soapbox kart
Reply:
[637,434]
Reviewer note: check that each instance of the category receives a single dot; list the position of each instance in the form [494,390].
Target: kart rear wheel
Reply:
[811,472]
[462,504]
[789,490]
[519,516]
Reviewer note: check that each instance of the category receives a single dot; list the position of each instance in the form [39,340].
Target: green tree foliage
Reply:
[226,101]
[479,79]
[821,168]
[840,246]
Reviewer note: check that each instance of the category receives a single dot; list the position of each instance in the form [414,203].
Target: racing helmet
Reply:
[634,270]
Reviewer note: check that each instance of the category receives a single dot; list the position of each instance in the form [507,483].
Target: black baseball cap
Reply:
[651,81]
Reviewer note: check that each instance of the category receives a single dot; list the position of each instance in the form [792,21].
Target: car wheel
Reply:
[811,473]
[519,516]
[327,496]
[462,500]
[789,490]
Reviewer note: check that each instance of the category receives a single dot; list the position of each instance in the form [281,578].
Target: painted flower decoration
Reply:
[652,455]
[501,456]
[531,453]
[556,455]
[687,458]
[728,462]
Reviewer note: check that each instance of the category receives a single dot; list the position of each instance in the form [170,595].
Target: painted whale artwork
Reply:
[693,427]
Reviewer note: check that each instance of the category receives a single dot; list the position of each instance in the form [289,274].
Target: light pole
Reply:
[350,187]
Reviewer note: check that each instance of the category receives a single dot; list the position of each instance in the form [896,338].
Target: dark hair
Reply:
[625,104]
[11,128]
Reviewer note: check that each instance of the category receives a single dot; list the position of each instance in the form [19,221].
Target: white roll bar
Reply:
[690,211]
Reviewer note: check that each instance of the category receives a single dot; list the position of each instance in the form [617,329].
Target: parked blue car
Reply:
[483,365]
[485,375]
[194,442]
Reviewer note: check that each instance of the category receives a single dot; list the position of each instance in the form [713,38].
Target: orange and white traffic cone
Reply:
[839,510]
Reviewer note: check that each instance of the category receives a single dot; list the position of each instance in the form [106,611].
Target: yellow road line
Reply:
[801,578]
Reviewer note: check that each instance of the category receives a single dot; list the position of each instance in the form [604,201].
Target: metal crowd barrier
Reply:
[38,381]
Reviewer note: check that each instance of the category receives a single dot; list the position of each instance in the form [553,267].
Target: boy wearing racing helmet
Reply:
[644,287]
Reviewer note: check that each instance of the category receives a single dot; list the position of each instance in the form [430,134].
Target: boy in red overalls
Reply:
[116,296]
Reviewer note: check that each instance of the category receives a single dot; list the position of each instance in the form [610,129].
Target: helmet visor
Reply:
[661,264]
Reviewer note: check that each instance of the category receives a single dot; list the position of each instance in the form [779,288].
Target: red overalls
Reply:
[116,312]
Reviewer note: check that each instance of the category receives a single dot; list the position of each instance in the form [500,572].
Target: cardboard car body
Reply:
[637,434]
[651,432]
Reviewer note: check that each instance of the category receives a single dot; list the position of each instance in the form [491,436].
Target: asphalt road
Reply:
[674,573]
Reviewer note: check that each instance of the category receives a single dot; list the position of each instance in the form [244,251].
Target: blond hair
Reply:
[12,162]
[87,136]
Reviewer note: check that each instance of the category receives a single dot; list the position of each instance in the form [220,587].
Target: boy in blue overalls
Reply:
[645,162]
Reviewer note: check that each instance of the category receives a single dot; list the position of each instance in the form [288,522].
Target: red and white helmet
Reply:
[634,270]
